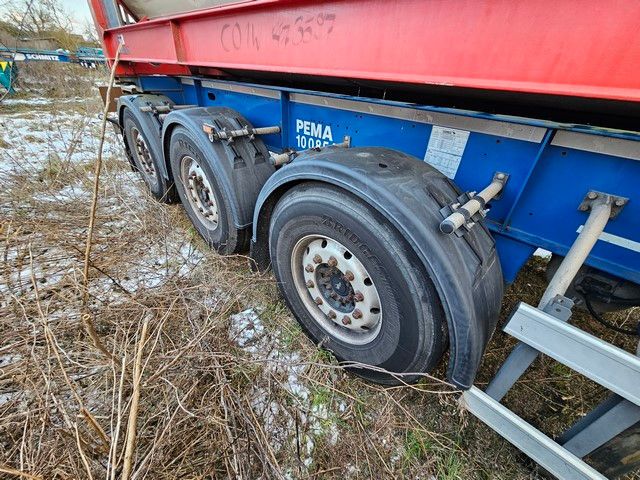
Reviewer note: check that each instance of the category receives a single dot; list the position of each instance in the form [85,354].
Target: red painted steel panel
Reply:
[586,48]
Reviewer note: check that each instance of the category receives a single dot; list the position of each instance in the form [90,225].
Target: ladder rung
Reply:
[551,456]
[610,366]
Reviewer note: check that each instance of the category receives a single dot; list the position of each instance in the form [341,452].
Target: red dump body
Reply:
[579,48]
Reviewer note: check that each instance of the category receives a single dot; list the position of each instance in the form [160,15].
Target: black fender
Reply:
[409,193]
[241,167]
[149,122]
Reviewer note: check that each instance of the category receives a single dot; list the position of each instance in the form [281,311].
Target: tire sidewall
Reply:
[158,187]
[405,291]
[222,236]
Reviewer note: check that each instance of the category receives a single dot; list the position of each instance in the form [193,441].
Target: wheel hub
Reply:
[143,154]
[337,289]
[199,192]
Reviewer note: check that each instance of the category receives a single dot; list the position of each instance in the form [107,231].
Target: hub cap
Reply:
[336,289]
[199,192]
[145,161]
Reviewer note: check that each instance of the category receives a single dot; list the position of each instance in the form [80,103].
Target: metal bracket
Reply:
[617,202]
[469,208]
[229,135]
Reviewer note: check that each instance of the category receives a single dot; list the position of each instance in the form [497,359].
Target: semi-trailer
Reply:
[395,163]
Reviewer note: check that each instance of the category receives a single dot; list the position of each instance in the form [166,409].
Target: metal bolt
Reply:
[348,276]
[310,284]
[584,208]
[317,259]
[358,296]
[500,176]
[334,295]
[309,268]
[592,195]
[346,320]
[356,314]
[620,202]
[319,301]
[332,315]
[332,262]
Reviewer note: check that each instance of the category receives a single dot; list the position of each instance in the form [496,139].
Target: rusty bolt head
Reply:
[620,202]
[358,296]
[356,314]
[346,320]
[319,301]
[332,262]
[592,195]
[317,259]
[332,315]
[309,268]
[348,276]
[310,284]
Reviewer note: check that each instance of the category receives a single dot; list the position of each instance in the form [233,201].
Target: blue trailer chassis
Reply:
[551,166]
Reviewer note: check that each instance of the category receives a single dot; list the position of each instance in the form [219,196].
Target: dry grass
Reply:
[212,377]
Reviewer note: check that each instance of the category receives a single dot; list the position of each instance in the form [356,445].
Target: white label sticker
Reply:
[445,149]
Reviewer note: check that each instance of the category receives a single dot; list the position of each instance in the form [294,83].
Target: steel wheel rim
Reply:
[321,267]
[147,167]
[199,192]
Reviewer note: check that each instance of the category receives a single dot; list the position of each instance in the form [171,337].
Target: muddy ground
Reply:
[203,362]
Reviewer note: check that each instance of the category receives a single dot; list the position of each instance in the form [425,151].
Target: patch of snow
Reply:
[248,332]
[542,253]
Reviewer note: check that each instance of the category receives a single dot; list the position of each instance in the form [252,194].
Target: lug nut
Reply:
[332,315]
[309,268]
[332,262]
[356,314]
[310,284]
[319,301]
[317,259]
[358,296]
[346,320]
[348,276]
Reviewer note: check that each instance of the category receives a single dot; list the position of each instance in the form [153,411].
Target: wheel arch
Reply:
[465,271]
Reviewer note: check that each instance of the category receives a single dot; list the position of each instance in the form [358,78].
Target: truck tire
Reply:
[202,196]
[354,285]
[144,161]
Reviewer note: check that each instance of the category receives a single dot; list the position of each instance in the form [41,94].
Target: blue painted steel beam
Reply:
[548,178]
